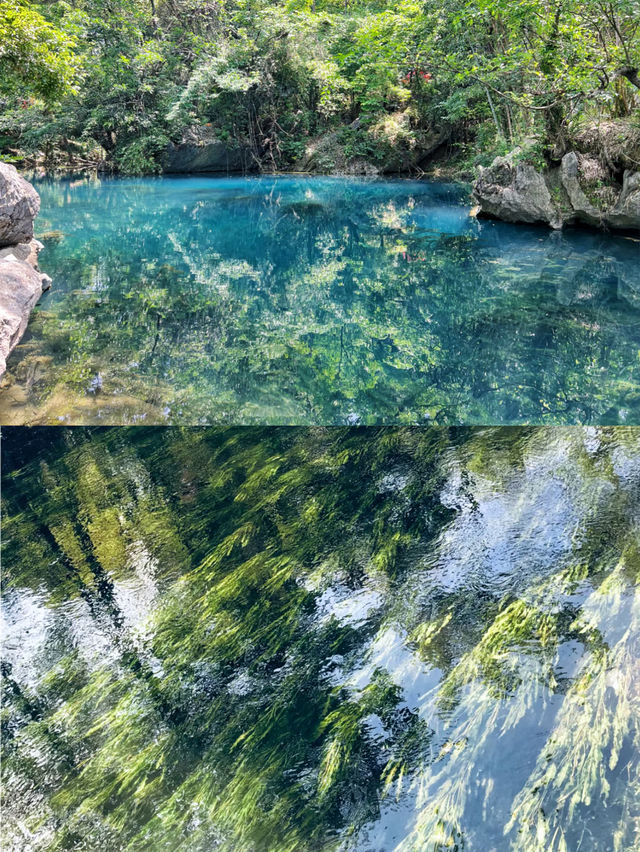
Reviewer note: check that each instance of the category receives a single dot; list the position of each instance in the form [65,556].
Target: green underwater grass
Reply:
[294,639]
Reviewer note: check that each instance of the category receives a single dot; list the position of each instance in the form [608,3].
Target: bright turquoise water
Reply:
[328,640]
[320,301]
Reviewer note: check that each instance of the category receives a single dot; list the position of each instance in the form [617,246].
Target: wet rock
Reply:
[95,384]
[53,236]
[19,206]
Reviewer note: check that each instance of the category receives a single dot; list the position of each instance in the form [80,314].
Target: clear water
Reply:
[277,640]
[287,300]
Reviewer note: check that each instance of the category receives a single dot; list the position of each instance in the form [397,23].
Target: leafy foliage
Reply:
[36,57]
[278,76]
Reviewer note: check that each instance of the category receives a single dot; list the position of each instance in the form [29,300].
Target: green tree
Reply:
[36,58]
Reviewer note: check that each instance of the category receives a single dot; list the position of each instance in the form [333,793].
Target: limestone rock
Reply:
[626,211]
[21,283]
[616,141]
[23,251]
[514,192]
[583,210]
[517,192]
[19,205]
[328,154]
[20,289]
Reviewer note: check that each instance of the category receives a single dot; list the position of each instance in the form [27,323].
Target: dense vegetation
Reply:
[281,640]
[375,81]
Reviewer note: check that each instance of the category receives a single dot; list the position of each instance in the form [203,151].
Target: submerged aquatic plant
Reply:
[283,640]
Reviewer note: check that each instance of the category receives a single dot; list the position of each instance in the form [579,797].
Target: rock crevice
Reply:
[21,282]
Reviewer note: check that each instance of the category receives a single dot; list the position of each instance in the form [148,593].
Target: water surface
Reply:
[288,300]
[270,640]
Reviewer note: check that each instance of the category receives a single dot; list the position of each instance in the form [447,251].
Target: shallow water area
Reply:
[308,300]
[380,640]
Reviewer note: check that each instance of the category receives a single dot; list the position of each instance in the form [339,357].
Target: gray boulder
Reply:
[23,251]
[518,192]
[19,206]
[626,211]
[514,192]
[21,285]
[583,210]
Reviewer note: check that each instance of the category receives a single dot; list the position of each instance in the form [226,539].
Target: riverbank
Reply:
[592,181]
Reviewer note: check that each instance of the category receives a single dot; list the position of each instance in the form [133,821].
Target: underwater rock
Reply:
[518,192]
[19,206]
[199,151]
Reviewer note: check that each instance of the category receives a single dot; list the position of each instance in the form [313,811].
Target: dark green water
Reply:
[288,640]
[320,301]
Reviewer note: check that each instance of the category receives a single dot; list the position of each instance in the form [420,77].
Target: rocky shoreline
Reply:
[579,191]
[594,184]
[21,282]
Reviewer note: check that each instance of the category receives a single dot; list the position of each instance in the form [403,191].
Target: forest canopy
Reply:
[120,79]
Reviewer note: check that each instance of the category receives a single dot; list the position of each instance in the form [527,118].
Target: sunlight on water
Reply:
[382,640]
[292,300]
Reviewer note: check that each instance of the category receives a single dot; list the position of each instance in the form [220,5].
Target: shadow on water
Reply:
[320,301]
[320,639]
